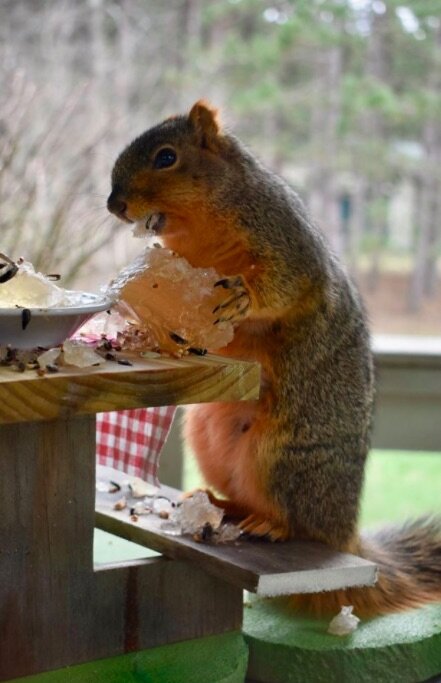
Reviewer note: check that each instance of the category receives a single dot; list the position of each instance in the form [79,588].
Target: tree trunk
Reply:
[423,278]
[356,225]
[373,125]
[323,192]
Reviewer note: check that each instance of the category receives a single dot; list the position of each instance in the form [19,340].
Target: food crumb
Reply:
[120,504]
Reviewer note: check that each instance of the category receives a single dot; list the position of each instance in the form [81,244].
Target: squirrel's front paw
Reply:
[236,306]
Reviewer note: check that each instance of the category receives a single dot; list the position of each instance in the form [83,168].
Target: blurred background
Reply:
[342,97]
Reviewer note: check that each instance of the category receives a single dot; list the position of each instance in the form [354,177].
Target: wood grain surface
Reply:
[163,381]
[258,566]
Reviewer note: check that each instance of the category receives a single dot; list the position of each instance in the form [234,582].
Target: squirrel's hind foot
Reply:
[250,524]
[264,528]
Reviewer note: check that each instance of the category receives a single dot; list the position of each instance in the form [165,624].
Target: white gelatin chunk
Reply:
[170,304]
[344,623]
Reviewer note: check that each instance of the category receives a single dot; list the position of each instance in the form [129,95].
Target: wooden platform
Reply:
[259,566]
[26,397]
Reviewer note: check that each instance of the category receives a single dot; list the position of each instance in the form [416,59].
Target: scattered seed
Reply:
[196,351]
[10,268]
[177,338]
[207,531]
[205,534]
[25,318]
[8,274]
[120,504]
[32,365]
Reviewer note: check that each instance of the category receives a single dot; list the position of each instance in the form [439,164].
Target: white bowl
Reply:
[47,327]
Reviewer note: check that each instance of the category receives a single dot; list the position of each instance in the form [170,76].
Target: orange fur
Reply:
[227,441]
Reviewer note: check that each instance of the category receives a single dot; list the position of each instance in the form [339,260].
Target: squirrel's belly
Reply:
[226,440]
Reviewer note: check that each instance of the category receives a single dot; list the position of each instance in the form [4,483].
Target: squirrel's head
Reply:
[166,172]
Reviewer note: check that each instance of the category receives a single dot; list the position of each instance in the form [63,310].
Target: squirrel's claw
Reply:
[236,306]
[189,494]
[259,527]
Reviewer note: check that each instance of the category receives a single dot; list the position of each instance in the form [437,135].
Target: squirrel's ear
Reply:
[205,123]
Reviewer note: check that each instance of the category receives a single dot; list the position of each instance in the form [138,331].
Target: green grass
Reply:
[108,548]
[398,485]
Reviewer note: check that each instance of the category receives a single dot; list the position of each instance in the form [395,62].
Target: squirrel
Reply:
[291,464]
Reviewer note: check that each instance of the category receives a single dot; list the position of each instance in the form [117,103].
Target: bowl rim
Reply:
[101,304]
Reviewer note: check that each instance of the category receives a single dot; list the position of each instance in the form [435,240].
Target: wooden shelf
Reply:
[156,382]
[259,566]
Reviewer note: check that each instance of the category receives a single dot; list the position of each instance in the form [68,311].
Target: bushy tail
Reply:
[409,572]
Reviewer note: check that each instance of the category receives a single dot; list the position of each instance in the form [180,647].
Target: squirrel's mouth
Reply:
[152,223]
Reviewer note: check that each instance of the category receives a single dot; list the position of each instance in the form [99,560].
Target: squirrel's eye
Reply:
[165,158]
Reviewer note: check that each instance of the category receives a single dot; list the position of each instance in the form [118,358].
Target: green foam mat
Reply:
[214,659]
[287,648]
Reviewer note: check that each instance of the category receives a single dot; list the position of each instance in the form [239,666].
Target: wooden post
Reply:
[47,504]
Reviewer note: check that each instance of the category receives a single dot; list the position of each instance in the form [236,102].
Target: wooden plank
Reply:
[46,531]
[258,566]
[171,464]
[408,402]
[119,609]
[147,603]
[155,382]
[54,609]
[407,351]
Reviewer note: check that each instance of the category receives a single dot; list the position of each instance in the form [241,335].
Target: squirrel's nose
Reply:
[116,204]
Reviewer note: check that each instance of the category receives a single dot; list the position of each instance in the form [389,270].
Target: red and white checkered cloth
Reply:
[128,440]
[132,440]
